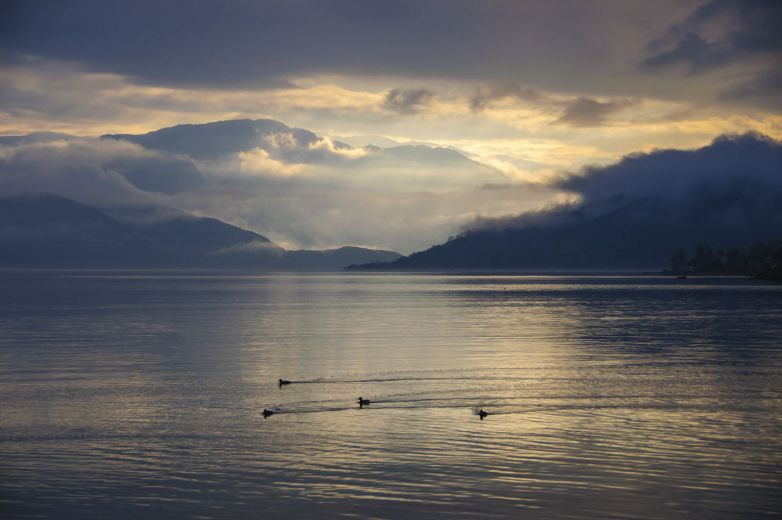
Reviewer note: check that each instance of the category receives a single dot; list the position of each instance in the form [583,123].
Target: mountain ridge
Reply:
[48,230]
[633,214]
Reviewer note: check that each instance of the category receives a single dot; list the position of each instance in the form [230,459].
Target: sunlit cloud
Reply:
[258,162]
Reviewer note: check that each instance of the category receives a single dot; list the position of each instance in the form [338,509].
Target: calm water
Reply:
[138,394]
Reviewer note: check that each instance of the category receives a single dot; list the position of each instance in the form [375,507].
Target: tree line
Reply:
[762,260]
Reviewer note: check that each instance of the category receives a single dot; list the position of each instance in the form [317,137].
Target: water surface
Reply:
[129,394]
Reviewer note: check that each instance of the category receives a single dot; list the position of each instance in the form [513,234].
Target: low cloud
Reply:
[80,169]
[734,181]
[672,174]
[285,183]
[258,162]
[334,149]
[408,101]
[219,143]
[636,212]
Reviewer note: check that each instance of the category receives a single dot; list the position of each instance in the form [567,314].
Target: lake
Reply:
[139,395]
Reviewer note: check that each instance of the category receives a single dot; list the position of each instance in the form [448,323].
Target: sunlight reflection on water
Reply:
[125,394]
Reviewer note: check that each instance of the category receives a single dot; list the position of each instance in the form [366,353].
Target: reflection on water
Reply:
[137,394]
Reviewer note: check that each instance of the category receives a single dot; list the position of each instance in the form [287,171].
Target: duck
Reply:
[362,402]
[283,382]
[267,413]
[482,414]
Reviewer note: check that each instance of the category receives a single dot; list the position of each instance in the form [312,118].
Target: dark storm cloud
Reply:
[590,112]
[238,43]
[721,32]
[408,101]
[264,43]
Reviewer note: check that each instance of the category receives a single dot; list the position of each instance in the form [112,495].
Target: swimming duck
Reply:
[362,402]
[267,413]
[482,414]
[283,382]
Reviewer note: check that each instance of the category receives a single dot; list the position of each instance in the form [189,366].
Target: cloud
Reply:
[250,146]
[728,51]
[97,172]
[733,180]
[285,183]
[718,33]
[258,162]
[40,94]
[271,44]
[47,95]
[158,173]
[75,169]
[304,190]
[326,147]
[487,93]
[578,112]
[327,194]
[408,101]
[326,210]
[583,112]
[303,147]
[673,174]
[763,90]
[635,212]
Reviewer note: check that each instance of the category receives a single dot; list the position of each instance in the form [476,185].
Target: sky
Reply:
[528,91]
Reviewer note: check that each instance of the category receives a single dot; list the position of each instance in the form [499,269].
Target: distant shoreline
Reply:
[188,271]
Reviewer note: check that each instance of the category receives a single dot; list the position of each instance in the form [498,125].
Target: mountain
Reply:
[168,174]
[336,259]
[361,141]
[46,230]
[219,139]
[35,137]
[43,229]
[157,172]
[633,214]
[421,153]
[640,234]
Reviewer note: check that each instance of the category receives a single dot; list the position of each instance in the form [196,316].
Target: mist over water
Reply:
[140,394]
